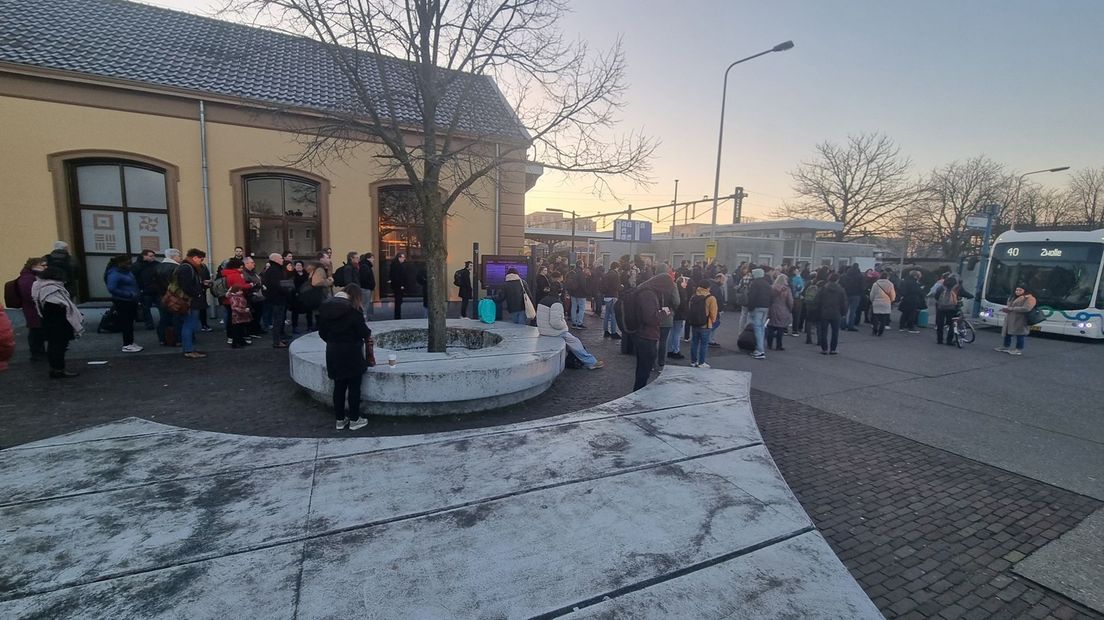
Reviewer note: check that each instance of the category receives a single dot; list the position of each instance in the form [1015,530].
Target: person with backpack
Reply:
[643,315]
[701,312]
[62,321]
[349,273]
[1019,305]
[123,287]
[144,271]
[882,296]
[17,294]
[551,322]
[809,307]
[948,298]
[462,279]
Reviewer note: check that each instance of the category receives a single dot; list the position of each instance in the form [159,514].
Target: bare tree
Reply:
[564,96]
[861,185]
[1086,196]
[1039,207]
[954,192]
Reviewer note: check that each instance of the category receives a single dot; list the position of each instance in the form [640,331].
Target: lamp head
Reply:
[781,47]
[1059,169]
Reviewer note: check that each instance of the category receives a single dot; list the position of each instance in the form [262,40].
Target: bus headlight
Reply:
[1084,325]
[987,313]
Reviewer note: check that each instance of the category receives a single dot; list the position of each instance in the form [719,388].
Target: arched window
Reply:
[118,207]
[281,214]
[401,229]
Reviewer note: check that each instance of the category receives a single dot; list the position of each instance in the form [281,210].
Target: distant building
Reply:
[549,220]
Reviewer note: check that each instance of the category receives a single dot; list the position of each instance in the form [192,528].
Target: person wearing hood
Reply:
[701,312]
[342,327]
[882,295]
[123,287]
[551,322]
[36,337]
[652,310]
[513,296]
[759,302]
[61,320]
[397,278]
[61,259]
[912,300]
[832,306]
[781,311]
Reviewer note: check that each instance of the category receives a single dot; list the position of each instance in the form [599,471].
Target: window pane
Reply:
[103,232]
[99,186]
[148,231]
[399,207]
[94,269]
[266,235]
[265,196]
[303,238]
[145,189]
[300,199]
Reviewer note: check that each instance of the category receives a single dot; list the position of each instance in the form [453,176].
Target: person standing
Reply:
[759,302]
[463,280]
[911,301]
[61,320]
[239,316]
[649,300]
[1015,320]
[809,306]
[168,324]
[145,273]
[577,290]
[367,280]
[948,298]
[239,254]
[349,272]
[700,313]
[882,295]
[61,259]
[301,279]
[513,296]
[189,279]
[397,277]
[36,336]
[717,288]
[781,311]
[797,287]
[123,287]
[674,338]
[740,296]
[832,306]
[7,339]
[276,289]
[254,295]
[668,301]
[232,272]
[342,327]
[852,283]
[610,288]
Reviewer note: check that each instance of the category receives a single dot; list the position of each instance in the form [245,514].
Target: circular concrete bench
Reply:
[484,367]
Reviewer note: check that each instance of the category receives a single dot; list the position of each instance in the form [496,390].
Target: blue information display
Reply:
[632,230]
[494,269]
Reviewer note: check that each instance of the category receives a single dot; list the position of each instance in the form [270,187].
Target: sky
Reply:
[1017,81]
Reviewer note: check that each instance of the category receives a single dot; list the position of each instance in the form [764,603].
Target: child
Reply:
[240,316]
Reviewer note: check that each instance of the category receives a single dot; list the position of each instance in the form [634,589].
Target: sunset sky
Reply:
[1017,81]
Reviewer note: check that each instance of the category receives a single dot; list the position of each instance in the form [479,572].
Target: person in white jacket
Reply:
[551,322]
[882,295]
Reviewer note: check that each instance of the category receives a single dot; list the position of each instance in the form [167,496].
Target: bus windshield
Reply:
[1060,275]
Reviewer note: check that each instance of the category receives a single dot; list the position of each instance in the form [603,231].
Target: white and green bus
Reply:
[1063,271]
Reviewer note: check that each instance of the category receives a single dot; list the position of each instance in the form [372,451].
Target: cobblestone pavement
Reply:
[925,532]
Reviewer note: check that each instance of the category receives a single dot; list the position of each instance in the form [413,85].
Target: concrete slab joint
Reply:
[484,367]
[649,506]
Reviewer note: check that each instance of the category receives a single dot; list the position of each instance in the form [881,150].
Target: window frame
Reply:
[285,220]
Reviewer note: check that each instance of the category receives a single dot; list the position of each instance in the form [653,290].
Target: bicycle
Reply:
[963,329]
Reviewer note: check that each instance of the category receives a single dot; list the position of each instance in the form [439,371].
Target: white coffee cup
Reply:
[392,359]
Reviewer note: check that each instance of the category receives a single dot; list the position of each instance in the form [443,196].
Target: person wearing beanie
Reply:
[60,258]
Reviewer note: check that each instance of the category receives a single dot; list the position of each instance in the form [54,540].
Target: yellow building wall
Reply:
[33,130]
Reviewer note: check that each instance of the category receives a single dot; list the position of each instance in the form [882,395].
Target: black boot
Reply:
[62,374]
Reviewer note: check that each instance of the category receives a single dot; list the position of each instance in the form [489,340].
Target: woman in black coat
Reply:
[912,301]
[341,325]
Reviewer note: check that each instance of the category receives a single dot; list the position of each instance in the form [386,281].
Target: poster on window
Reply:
[103,231]
[148,231]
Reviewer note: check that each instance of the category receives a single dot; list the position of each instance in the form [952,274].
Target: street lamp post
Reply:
[572,212]
[781,47]
[1019,185]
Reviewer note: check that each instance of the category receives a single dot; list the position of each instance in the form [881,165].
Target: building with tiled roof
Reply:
[102,107]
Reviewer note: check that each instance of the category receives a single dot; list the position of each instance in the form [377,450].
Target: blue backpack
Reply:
[488,311]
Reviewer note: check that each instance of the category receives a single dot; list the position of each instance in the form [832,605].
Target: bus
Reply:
[1061,268]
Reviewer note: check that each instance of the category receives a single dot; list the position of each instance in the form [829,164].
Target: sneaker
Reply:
[759,355]
[596,365]
[248,340]
[693,364]
[714,344]
[795,334]
[1001,350]
[902,330]
[914,331]
[195,355]
[342,423]
[229,341]
[206,329]
[1015,352]
[703,365]
[132,348]
[358,424]
[833,353]
[615,336]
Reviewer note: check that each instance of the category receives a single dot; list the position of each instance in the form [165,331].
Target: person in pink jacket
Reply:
[7,339]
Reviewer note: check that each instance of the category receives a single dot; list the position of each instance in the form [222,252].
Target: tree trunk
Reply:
[436,284]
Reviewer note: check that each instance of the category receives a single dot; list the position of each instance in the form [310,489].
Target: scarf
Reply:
[53,292]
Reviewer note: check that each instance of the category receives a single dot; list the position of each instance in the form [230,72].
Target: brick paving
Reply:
[926,533]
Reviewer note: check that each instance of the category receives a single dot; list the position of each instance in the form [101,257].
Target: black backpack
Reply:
[627,311]
[572,362]
[698,315]
[456,277]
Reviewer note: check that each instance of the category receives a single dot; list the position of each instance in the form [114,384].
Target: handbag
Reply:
[175,300]
[1035,316]
[370,351]
[311,297]
[530,311]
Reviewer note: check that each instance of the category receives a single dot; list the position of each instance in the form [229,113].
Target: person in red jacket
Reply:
[7,339]
[232,271]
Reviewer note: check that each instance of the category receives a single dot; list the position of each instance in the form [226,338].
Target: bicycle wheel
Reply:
[965,333]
